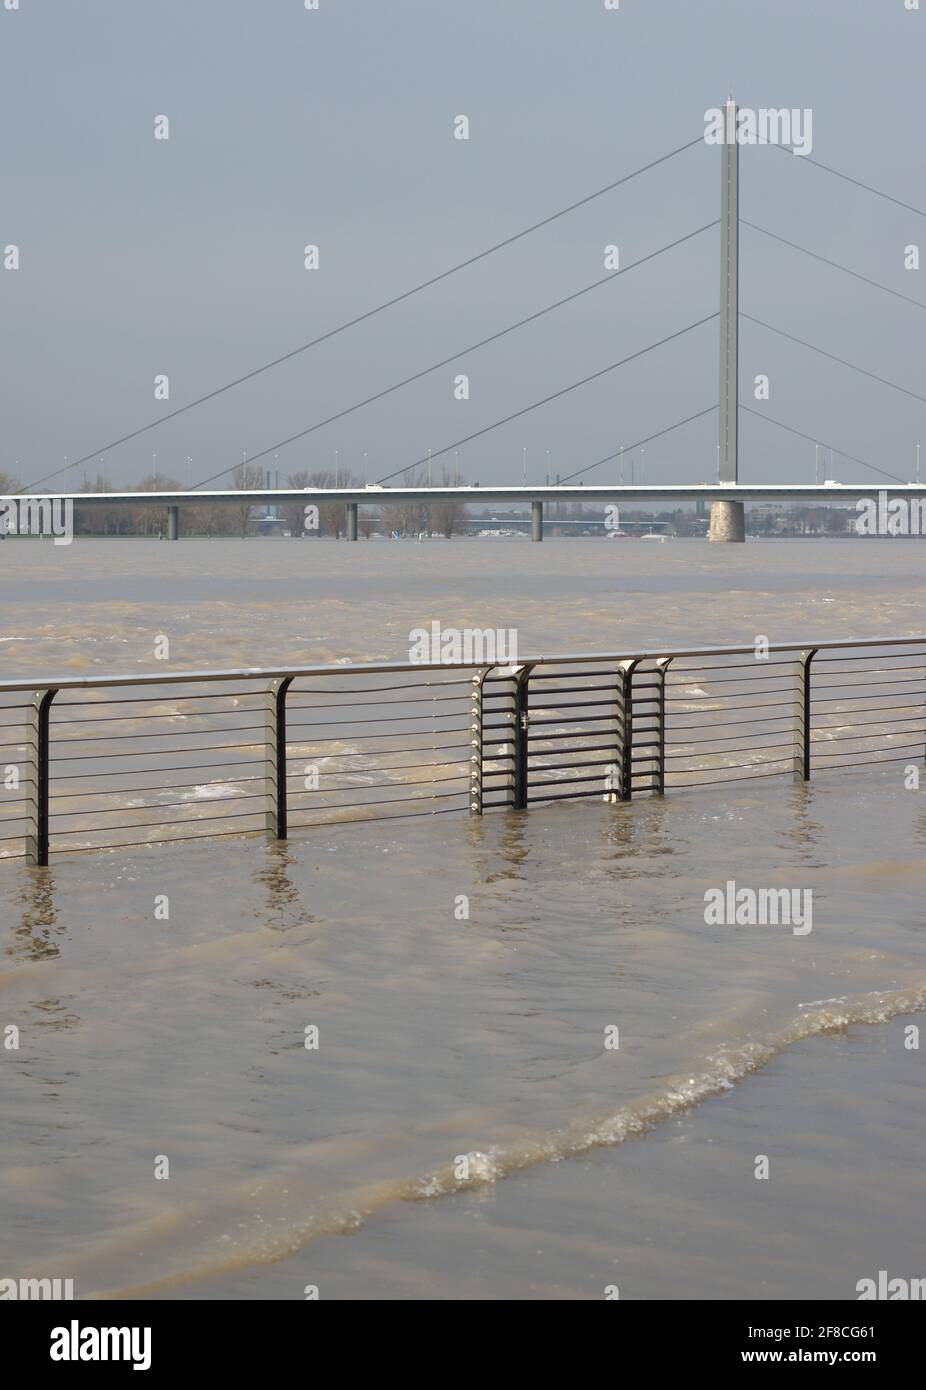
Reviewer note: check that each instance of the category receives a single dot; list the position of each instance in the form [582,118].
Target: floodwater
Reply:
[486,1037]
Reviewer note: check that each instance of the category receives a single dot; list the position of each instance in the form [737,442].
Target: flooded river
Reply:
[310,1071]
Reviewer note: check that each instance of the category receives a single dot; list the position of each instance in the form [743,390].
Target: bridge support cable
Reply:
[770,420]
[638,444]
[835,265]
[545,400]
[848,178]
[371,313]
[456,356]
[853,366]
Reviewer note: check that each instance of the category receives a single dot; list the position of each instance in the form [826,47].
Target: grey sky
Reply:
[335,127]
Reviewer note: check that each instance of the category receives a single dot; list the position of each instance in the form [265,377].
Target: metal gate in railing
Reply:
[121,761]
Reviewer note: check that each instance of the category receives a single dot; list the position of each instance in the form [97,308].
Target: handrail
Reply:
[527,732]
[385,667]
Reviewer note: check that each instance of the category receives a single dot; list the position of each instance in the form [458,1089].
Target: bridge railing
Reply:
[90,763]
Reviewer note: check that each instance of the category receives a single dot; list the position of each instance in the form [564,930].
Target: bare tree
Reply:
[448,512]
[332,516]
[837,522]
[152,521]
[8,486]
[96,518]
[210,519]
[247,477]
[294,512]
[411,517]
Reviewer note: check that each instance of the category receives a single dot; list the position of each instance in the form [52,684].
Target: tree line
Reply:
[208,518]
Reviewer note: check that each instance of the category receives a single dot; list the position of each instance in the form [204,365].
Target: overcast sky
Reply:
[335,127]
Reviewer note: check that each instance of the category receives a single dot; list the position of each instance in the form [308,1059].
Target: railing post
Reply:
[521,726]
[275,753]
[613,778]
[662,667]
[802,717]
[508,726]
[627,669]
[37,742]
[475,744]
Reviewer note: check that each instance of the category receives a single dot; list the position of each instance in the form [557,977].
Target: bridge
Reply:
[726,496]
[732,495]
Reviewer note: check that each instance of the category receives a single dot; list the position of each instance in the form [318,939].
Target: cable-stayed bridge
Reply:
[726,495]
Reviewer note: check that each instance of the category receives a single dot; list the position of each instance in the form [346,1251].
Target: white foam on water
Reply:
[717,1074]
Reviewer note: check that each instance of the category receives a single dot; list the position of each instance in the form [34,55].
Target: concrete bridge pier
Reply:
[728,522]
[173,523]
[352,521]
[536,520]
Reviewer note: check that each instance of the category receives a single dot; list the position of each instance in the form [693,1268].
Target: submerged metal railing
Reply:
[118,761]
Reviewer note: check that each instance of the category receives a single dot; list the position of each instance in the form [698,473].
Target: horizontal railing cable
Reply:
[588,725]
